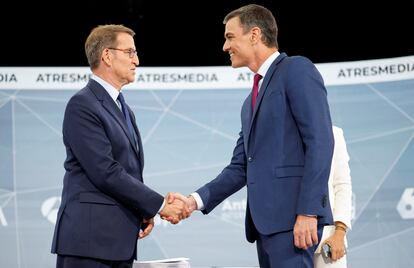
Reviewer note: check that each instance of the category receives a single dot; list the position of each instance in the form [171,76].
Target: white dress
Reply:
[340,196]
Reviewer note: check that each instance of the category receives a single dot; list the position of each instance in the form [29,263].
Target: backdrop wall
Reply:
[189,120]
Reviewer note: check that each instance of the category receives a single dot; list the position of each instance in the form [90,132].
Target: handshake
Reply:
[177,207]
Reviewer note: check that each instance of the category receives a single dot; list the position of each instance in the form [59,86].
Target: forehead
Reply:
[125,39]
[233,26]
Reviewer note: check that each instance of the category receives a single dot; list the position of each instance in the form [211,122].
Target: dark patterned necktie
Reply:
[126,115]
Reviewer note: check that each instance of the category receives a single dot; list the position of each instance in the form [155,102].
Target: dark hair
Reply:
[257,16]
[101,37]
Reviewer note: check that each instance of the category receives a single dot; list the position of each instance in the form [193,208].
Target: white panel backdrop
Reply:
[189,121]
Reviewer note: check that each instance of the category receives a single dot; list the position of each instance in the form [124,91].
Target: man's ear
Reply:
[255,35]
[106,56]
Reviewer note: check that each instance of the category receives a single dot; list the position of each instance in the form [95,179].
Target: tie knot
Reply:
[121,98]
[257,78]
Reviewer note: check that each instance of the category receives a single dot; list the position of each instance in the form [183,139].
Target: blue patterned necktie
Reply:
[126,115]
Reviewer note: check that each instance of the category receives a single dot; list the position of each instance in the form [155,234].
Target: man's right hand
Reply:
[174,210]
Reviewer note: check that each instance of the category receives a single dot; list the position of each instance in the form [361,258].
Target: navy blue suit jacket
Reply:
[283,153]
[104,198]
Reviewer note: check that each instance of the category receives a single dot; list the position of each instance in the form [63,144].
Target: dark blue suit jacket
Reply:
[283,153]
[104,199]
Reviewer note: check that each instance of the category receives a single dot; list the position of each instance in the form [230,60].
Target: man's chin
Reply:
[235,65]
[131,79]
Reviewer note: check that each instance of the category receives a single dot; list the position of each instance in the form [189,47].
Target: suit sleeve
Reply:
[229,181]
[309,105]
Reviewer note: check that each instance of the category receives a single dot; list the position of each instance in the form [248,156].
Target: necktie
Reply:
[126,114]
[255,90]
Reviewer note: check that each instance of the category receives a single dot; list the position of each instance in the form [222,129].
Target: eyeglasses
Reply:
[131,52]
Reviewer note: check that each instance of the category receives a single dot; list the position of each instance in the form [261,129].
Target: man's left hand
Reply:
[305,231]
[148,228]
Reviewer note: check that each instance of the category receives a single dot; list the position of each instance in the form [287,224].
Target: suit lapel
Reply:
[246,120]
[262,91]
[112,108]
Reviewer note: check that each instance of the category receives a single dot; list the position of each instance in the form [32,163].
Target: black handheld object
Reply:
[326,250]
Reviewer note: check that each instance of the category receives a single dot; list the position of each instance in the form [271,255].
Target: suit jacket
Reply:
[283,153]
[104,198]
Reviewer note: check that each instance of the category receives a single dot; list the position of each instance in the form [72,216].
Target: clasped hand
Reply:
[177,207]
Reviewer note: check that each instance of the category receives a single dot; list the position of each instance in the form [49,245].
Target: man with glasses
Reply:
[105,204]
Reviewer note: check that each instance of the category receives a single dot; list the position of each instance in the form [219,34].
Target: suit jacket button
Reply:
[250,159]
[324,201]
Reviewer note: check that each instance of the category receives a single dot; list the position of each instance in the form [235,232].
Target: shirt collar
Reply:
[113,92]
[266,65]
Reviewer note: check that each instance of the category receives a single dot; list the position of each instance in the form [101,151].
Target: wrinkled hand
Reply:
[149,226]
[305,231]
[337,243]
[174,211]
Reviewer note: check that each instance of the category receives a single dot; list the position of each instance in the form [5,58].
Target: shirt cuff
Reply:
[199,201]
[162,207]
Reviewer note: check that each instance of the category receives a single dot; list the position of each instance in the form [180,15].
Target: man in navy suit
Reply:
[105,204]
[284,151]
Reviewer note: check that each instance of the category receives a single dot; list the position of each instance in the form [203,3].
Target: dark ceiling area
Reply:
[190,33]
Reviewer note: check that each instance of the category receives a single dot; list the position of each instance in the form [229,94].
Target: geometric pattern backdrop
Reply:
[188,138]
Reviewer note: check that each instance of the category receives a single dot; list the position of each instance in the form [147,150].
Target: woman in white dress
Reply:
[340,196]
